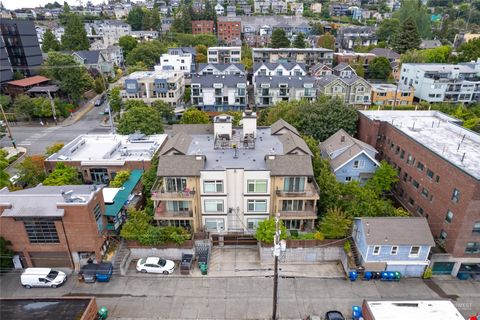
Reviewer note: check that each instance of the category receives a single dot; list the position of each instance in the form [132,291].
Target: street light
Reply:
[278,248]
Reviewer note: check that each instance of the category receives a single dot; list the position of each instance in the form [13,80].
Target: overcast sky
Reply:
[15,4]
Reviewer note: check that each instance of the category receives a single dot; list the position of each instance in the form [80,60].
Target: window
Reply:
[213,186]
[356,164]
[405,177]
[175,184]
[414,251]
[257,205]
[476,227]
[212,205]
[443,235]
[449,216]
[425,192]
[257,186]
[455,195]
[473,248]
[430,174]
[394,250]
[214,224]
[420,166]
[131,86]
[292,224]
[415,184]
[410,159]
[292,205]
[294,184]
[402,154]
[348,179]
[41,230]
[397,150]
[177,206]
[376,250]
[420,211]
[252,224]
[437,179]
[411,201]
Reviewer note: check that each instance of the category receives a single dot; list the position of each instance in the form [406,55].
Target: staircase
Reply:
[122,251]
[355,254]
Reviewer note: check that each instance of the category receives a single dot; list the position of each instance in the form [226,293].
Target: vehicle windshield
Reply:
[52,275]
[162,263]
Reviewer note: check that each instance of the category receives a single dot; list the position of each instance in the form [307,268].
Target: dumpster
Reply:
[102,313]
[87,273]
[186,264]
[104,271]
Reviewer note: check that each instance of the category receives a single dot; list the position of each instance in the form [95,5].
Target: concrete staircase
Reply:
[122,251]
[355,254]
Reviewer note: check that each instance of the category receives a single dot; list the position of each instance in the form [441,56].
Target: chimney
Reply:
[249,123]
[222,126]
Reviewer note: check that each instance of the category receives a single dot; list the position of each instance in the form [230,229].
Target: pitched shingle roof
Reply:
[385,52]
[281,124]
[179,143]
[290,165]
[397,231]
[207,80]
[89,57]
[221,66]
[192,128]
[341,66]
[292,81]
[292,142]
[274,65]
[179,165]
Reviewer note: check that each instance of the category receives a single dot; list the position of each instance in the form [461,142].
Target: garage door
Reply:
[50,259]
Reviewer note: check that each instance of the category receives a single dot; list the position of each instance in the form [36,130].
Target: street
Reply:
[171,297]
[37,138]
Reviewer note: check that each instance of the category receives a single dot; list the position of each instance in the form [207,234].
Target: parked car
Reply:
[334,315]
[155,265]
[42,277]
[100,101]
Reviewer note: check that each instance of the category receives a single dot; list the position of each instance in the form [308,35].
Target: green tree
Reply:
[31,171]
[17,75]
[120,178]
[138,223]
[127,43]
[148,53]
[182,22]
[383,179]
[115,99]
[414,10]
[335,224]
[166,112]
[135,18]
[359,68]
[279,39]
[138,66]
[379,68]
[5,100]
[326,41]
[201,53]
[151,20]
[247,57]
[328,185]
[299,41]
[407,38]
[75,36]
[132,103]
[98,85]
[50,42]
[54,148]
[469,51]
[140,119]
[387,29]
[266,230]
[62,175]
[6,255]
[73,78]
[4,176]
[192,116]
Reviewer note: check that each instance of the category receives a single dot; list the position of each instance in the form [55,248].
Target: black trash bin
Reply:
[186,264]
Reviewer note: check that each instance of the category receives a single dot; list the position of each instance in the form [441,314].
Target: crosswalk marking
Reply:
[37,136]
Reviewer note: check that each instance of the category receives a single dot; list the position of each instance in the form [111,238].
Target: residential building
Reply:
[6,71]
[417,309]
[351,36]
[113,54]
[430,44]
[461,38]
[279,69]
[203,27]
[346,85]
[339,10]
[350,159]
[226,180]
[436,82]
[437,162]
[179,59]
[229,30]
[316,7]
[231,11]
[94,60]
[354,58]
[149,86]
[16,87]
[308,56]
[110,31]
[264,25]
[224,54]
[221,69]
[398,244]
[219,9]
[212,92]
[121,10]
[144,35]
[53,226]
[269,90]
[98,158]
[320,70]
[296,8]
[20,43]
[391,55]
[387,94]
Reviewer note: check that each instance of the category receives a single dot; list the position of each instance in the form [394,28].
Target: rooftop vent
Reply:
[70,198]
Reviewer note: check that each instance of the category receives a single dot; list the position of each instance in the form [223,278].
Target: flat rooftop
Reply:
[305,50]
[50,308]
[248,159]
[439,133]
[108,148]
[442,67]
[422,309]
[157,74]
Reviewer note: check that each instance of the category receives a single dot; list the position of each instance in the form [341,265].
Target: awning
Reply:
[121,197]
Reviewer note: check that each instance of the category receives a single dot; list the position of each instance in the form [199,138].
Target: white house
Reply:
[178,59]
[219,92]
[219,9]
[224,54]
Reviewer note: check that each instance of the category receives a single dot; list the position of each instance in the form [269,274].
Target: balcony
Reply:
[161,213]
[308,212]
[311,191]
[159,192]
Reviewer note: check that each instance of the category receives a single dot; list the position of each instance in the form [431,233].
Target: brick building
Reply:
[229,30]
[53,226]
[438,164]
[203,27]
[98,158]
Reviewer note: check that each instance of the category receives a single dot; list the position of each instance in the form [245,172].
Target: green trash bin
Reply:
[203,269]
[103,313]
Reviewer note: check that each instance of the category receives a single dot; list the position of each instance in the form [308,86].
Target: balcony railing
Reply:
[158,192]
[161,213]
[308,213]
[311,190]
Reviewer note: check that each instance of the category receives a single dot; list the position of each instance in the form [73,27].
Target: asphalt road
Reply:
[167,297]
[37,138]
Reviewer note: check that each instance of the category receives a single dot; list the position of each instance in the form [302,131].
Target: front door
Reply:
[99,175]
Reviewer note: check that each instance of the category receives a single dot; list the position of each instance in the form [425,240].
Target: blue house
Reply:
[349,158]
[393,244]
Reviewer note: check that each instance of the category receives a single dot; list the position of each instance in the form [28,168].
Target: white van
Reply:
[42,277]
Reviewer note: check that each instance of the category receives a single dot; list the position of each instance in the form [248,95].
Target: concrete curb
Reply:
[79,115]
[12,165]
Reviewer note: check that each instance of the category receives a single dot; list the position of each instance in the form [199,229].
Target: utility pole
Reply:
[8,128]
[276,254]
[105,83]
[52,103]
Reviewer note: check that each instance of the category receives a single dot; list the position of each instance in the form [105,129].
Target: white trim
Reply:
[410,263]
[379,250]
[410,255]
[363,151]
[391,251]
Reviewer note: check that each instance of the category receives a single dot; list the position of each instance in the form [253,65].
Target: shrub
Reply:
[347,247]
[428,273]
[319,236]
[266,231]
[120,178]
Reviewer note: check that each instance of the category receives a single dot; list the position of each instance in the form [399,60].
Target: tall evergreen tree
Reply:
[75,36]
[50,42]
[279,39]
[299,41]
[135,18]
[407,38]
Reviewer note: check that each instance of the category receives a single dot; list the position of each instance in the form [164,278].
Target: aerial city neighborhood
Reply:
[240,159]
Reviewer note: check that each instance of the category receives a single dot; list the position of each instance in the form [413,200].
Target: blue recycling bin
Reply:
[384,275]
[367,275]
[356,312]
[353,275]
[391,276]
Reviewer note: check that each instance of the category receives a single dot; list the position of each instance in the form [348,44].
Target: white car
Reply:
[42,277]
[155,265]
